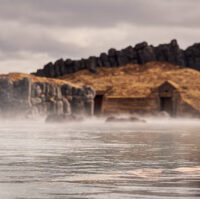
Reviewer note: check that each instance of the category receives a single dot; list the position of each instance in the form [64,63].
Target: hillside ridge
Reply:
[139,81]
[140,54]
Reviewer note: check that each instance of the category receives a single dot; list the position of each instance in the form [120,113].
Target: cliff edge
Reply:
[23,95]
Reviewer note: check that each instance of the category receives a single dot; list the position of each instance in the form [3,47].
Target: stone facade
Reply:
[165,98]
[29,99]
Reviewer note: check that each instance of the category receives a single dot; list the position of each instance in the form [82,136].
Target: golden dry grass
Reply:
[20,76]
[138,80]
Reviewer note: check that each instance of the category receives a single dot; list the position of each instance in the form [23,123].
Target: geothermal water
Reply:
[98,160]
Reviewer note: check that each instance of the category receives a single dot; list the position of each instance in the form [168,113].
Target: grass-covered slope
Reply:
[138,80]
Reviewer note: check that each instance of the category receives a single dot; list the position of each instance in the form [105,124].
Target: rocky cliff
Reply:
[140,54]
[27,96]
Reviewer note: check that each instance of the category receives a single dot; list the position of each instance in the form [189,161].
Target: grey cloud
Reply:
[102,13]
[38,45]
[156,21]
[13,41]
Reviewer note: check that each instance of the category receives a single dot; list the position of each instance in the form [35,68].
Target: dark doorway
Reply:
[98,101]
[166,104]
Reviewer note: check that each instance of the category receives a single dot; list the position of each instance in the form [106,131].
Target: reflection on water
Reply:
[158,159]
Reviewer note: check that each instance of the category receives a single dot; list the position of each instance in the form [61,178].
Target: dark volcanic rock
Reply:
[128,55]
[146,54]
[57,67]
[91,64]
[170,53]
[122,59]
[192,56]
[40,73]
[140,54]
[77,66]
[49,70]
[105,60]
[69,66]
[129,119]
[112,56]
[141,46]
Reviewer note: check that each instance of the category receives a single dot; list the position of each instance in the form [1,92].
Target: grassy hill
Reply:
[135,80]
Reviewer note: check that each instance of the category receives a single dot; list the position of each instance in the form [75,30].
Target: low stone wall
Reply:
[29,99]
[140,54]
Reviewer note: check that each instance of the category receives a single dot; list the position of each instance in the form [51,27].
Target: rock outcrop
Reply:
[29,98]
[125,119]
[140,54]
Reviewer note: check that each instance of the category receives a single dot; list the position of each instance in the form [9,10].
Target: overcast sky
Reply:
[34,32]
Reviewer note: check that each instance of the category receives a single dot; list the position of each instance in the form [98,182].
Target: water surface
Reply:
[93,159]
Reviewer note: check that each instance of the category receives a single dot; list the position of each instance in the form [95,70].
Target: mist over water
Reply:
[95,159]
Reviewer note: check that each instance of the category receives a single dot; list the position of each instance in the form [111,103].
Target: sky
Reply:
[35,32]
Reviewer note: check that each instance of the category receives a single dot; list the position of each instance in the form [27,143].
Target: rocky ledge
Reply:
[140,54]
[28,98]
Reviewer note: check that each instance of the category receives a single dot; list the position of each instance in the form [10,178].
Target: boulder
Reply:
[170,53]
[69,66]
[40,73]
[146,54]
[77,66]
[112,56]
[129,52]
[61,66]
[141,46]
[99,62]
[57,67]
[49,70]
[112,52]
[121,119]
[83,64]
[105,60]
[91,64]
[122,58]
[192,56]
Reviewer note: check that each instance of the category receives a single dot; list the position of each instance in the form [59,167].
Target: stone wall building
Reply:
[164,98]
[148,89]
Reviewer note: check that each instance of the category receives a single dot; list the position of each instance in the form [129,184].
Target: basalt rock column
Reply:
[27,98]
[140,54]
